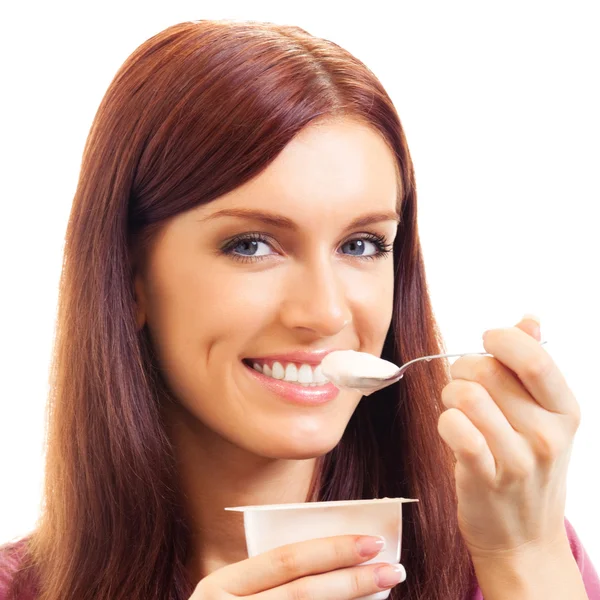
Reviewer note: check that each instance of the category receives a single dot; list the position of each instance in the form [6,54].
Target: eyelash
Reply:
[379,241]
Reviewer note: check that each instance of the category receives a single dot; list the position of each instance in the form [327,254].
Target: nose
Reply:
[316,302]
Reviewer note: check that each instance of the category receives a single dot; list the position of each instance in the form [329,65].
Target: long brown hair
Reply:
[196,111]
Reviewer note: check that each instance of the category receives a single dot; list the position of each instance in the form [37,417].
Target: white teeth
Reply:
[305,374]
[278,372]
[318,376]
[291,373]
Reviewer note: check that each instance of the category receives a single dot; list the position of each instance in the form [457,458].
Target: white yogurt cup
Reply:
[272,525]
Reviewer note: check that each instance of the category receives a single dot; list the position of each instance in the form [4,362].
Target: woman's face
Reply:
[245,295]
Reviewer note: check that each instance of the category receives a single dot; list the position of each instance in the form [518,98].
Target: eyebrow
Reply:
[285,223]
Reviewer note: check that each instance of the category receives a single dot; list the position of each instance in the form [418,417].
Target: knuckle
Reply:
[446,394]
[472,449]
[357,582]
[454,369]
[341,551]
[451,390]
[299,590]
[206,590]
[575,416]
[476,368]
[487,369]
[518,471]
[285,561]
[460,366]
[445,420]
[468,397]
[538,368]
[546,447]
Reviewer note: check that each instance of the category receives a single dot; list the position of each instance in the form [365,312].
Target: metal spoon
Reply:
[368,385]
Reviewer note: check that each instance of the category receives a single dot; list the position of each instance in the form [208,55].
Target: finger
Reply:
[474,401]
[533,366]
[468,444]
[530,324]
[508,393]
[543,431]
[293,561]
[356,582]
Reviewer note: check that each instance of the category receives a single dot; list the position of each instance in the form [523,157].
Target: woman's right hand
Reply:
[318,569]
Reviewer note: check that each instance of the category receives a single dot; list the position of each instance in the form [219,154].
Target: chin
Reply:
[301,447]
[301,453]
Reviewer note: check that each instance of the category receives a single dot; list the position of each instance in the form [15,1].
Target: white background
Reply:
[500,104]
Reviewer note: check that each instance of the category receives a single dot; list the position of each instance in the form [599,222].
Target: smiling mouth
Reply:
[300,373]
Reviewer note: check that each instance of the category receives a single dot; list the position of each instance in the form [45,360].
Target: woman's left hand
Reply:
[510,422]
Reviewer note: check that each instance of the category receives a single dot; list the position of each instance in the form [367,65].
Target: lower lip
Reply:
[295,392]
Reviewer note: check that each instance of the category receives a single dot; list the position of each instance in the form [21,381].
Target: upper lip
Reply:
[308,357]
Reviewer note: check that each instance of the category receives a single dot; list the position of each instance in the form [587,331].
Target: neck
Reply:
[215,474]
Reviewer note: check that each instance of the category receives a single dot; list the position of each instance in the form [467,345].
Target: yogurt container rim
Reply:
[325,504]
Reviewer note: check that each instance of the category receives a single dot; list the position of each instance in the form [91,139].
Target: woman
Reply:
[247,204]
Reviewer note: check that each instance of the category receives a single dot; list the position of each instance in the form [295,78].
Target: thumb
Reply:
[530,324]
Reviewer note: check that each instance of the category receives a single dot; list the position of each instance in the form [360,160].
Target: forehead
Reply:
[332,168]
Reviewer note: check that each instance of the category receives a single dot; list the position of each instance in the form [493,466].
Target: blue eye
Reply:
[250,247]
[255,246]
[360,248]
[368,246]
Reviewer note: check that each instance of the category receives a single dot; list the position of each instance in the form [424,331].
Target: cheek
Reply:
[201,315]
[371,300]
[202,321]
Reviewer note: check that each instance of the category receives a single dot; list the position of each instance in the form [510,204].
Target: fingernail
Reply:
[538,330]
[389,575]
[532,317]
[368,545]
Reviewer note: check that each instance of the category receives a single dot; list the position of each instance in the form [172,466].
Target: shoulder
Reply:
[11,558]
[11,555]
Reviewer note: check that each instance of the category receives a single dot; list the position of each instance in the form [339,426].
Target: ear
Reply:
[530,324]
[140,301]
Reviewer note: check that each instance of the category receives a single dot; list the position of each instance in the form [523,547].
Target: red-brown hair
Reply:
[196,111]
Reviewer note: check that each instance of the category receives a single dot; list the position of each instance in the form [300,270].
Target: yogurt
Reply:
[342,367]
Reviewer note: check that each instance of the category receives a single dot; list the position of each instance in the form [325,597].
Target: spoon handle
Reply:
[403,368]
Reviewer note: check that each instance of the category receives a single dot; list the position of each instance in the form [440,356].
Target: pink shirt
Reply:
[588,573]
